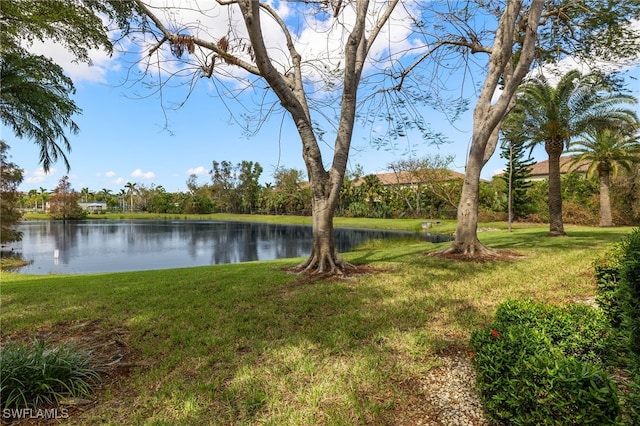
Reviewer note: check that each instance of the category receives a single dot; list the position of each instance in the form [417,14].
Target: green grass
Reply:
[251,344]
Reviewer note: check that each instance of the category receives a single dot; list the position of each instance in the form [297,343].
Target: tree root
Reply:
[324,266]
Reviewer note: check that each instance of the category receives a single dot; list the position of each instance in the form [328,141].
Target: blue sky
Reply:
[125,137]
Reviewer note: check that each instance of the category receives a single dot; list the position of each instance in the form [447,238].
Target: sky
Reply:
[127,136]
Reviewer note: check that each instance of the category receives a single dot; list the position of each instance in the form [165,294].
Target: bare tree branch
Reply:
[214,47]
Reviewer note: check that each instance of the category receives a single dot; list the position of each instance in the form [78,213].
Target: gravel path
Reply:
[450,391]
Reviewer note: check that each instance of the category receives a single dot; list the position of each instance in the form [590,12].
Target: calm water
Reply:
[114,246]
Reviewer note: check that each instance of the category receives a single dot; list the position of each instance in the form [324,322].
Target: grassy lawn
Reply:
[251,344]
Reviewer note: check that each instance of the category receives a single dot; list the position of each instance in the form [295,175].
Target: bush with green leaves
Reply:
[543,365]
[576,330]
[34,375]
[617,276]
[607,276]
[630,291]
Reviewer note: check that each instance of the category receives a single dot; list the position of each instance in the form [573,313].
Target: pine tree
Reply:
[516,175]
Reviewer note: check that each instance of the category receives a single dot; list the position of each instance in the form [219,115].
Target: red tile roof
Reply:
[405,178]
[542,168]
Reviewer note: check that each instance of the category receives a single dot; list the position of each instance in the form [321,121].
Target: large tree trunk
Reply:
[605,200]
[466,242]
[554,149]
[488,115]
[324,256]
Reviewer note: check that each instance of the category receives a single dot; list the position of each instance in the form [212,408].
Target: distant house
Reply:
[540,171]
[93,207]
[405,178]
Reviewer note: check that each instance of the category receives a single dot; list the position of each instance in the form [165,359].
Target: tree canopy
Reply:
[10,178]
[35,101]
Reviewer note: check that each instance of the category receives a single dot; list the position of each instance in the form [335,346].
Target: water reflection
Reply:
[111,246]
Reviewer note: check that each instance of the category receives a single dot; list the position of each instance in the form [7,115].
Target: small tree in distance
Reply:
[63,203]
[428,178]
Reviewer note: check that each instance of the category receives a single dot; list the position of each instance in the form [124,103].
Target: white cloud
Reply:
[554,72]
[119,181]
[101,61]
[139,174]
[198,171]
[38,176]
[110,174]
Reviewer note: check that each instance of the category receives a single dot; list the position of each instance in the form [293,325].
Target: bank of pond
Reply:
[94,246]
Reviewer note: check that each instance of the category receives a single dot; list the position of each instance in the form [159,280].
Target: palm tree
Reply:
[84,193]
[607,150]
[33,196]
[44,196]
[121,197]
[554,116]
[131,187]
[106,194]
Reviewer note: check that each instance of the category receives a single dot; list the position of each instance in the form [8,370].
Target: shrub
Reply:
[630,291]
[579,214]
[542,365]
[618,288]
[607,275]
[490,216]
[576,330]
[32,375]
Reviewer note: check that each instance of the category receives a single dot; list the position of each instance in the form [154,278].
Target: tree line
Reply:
[418,188]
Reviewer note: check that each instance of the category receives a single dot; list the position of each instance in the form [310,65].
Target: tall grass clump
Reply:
[34,375]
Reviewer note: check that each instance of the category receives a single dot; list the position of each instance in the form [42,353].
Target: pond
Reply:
[94,246]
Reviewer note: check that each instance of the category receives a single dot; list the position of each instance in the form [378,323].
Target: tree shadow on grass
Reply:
[576,239]
[251,343]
